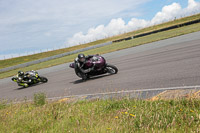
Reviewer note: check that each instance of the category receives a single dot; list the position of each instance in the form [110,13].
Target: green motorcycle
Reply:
[30,78]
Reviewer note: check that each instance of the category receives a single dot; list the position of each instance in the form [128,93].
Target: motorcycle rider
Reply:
[92,66]
[26,77]
[81,60]
[22,76]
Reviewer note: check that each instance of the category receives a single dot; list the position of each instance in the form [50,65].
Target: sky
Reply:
[33,26]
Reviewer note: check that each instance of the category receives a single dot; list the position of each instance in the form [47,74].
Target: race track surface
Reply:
[173,62]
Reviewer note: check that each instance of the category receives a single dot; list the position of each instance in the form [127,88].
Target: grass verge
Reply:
[20,60]
[125,115]
[111,48]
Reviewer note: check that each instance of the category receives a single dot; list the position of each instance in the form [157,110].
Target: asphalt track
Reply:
[172,62]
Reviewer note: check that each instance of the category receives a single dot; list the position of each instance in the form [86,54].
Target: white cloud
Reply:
[167,13]
[118,26]
[30,25]
[115,27]
[49,22]
[193,7]
[134,24]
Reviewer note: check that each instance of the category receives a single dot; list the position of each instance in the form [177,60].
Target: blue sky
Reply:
[31,26]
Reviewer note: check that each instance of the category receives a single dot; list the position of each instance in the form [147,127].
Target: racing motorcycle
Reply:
[101,67]
[30,78]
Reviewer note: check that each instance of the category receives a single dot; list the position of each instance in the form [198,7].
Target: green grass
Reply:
[20,60]
[39,99]
[125,115]
[111,48]
[160,26]
[24,59]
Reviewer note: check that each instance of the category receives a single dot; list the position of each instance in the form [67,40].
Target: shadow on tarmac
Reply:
[90,79]
[21,87]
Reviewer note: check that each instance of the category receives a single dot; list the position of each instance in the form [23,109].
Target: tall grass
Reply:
[2,104]
[123,115]
[39,99]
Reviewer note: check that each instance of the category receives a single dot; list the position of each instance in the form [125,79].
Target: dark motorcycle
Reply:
[101,67]
[29,79]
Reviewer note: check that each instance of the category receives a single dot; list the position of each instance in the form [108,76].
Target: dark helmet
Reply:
[20,73]
[81,57]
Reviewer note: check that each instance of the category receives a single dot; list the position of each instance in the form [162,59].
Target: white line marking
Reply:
[129,91]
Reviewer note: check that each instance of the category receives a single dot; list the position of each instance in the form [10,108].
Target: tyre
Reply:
[84,77]
[25,85]
[111,69]
[43,79]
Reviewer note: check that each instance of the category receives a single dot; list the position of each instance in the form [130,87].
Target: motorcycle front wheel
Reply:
[43,79]
[111,69]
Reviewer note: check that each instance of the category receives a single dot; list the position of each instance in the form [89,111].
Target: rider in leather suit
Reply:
[81,60]
[26,77]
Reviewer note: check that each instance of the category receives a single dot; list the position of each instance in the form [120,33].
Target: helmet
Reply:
[20,73]
[33,71]
[81,57]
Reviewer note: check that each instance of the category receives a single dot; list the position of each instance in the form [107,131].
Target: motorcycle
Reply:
[101,67]
[29,79]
